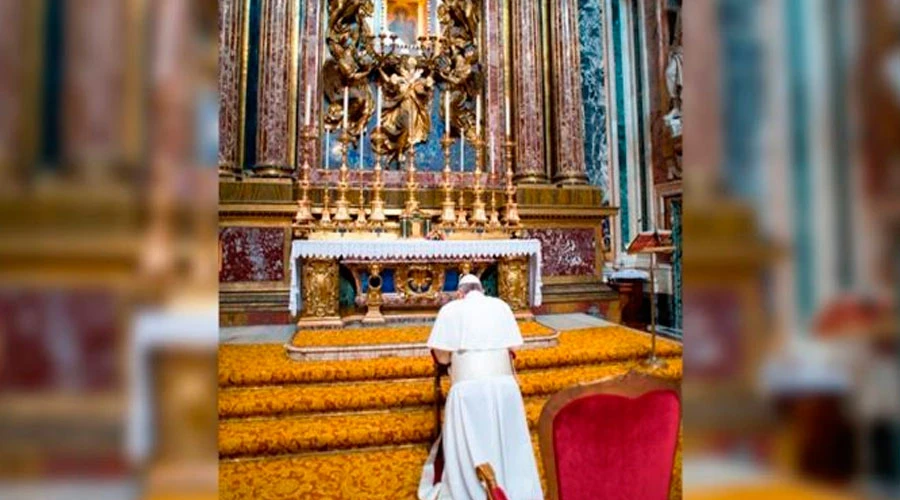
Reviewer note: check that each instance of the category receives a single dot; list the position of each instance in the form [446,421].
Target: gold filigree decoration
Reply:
[320,288]
[513,282]
[420,281]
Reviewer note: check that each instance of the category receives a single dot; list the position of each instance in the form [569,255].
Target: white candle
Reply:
[462,151]
[327,148]
[508,119]
[491,151]
[478,116]
[447,111]
[379,106]
[362,131]
[308,105]
[346,103]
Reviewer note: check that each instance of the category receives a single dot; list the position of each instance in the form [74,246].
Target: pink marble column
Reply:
[528,78]
[277,105]
[311,46]
[233,19]
[93,88]
[12,94]
[565,81]
[494,96]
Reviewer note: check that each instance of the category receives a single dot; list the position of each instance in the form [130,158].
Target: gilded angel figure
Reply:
[406,113]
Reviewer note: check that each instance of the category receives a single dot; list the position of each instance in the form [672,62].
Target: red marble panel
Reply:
[566,252]
[59,340]
[252,254]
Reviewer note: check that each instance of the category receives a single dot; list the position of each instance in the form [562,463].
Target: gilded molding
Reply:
[568,109]
[277,105]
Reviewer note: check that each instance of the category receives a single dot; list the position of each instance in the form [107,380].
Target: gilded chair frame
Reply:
[631,385]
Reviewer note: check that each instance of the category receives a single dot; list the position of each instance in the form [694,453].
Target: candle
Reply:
[491,151]
[362,131]
[462,151]
[327,148]
[478,116]
[346,103]
[308,105]
[447,111]
[379,106]
[508,119]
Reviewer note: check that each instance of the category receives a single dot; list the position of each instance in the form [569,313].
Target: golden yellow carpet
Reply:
[407,334]
[360,429]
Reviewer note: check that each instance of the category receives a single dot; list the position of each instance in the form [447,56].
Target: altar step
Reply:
[267,364]
[384,421]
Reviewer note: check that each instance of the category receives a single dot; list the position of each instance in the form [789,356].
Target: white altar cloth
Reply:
[416,249]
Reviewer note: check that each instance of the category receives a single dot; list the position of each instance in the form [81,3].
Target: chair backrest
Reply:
[486,475]
[611,439]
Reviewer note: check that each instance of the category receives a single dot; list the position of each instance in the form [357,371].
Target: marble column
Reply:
[311,47]
[17,96]
[568,110]
[528,78]
[233,28]
[277,105]
[494,95]
[94,89]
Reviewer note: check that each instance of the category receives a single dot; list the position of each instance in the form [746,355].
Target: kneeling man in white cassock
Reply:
[484,418]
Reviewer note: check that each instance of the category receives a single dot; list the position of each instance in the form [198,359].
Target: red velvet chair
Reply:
[611,439]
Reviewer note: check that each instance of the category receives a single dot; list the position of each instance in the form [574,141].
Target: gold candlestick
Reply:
[412,200]
[511,217]
[361,216]
[448,214]
[479,216]
[304,211]
[342,210]
[494,223]
[377,217]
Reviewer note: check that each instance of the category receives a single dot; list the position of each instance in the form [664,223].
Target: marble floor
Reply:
[281,334]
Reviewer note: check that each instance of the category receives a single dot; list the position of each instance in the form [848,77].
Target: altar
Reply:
[406,278]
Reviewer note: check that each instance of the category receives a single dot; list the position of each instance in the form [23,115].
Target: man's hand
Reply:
[441,357]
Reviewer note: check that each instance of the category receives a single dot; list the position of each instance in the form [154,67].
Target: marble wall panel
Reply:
[59,340]
[251,254]
[593,86]
[566,251]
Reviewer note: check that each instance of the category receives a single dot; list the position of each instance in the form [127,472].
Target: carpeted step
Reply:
[285,436]
[332,431]
[359,474]
[267,364]
[237,402]
[375,473]
[375,335]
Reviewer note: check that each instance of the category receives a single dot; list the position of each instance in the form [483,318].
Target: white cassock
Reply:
[484,418]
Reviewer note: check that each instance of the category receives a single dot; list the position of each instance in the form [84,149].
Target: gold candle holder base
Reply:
[412,201]
[377,217]
[511,218]
[479,213]
[342,205]
[448,207]
[304,215]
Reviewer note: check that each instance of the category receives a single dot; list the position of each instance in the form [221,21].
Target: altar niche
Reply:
[380,96]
